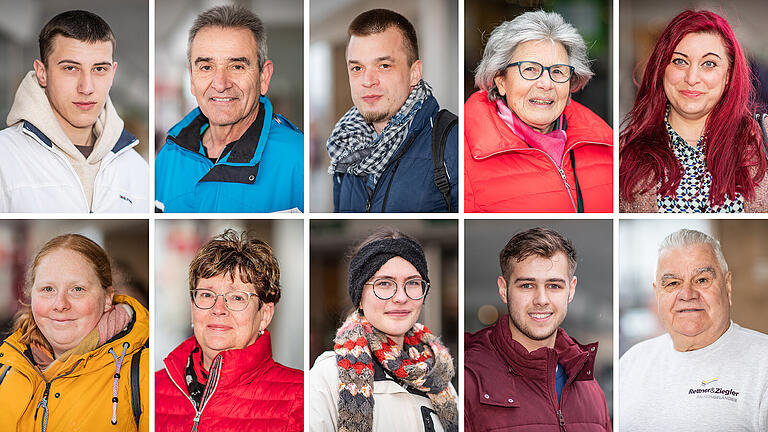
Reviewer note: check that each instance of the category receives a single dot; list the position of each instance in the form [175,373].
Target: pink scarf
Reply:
[552,143]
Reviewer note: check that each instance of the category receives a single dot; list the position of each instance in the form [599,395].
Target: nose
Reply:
[688,292]
[545,82]
[221,81]
[370,77]
[61,302]
[541,298]
[692,75]
[220,307]
[85,83]
[400,296]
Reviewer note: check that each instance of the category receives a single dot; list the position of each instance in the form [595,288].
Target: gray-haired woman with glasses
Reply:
[224,378]
[528,146]
[387,372]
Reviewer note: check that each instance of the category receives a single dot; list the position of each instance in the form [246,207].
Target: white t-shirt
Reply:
[721,387]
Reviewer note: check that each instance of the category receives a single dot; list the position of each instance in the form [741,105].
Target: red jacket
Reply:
[248,391]
[509,389]
[504,174]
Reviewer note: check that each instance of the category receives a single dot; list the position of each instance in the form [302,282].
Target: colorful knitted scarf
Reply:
[423,364]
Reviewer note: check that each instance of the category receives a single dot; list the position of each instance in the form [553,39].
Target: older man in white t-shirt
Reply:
[707,373]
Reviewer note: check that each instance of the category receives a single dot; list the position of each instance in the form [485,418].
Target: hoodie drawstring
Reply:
[118,365]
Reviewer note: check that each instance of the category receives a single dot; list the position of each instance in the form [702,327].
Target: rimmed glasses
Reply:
[385,288]
[235,301]
[531,70]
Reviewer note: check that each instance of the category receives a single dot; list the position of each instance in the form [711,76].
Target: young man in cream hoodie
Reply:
[66,150]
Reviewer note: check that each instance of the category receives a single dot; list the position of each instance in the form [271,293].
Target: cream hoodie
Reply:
[31,104]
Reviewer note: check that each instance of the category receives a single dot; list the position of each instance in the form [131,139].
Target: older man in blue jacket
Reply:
[232,154]
[391,152]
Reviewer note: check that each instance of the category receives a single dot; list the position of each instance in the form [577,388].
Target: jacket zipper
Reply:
[375,188]
[559,406]
[203,403]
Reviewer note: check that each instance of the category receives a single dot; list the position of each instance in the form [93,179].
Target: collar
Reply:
[577,360]
[238,366]
[126,139]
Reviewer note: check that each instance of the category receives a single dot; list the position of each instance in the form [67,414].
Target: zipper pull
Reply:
[44,404]
[196,421]
[565,180]
[562,420]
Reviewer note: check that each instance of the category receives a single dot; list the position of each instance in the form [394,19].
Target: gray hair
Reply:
[686,237]
[531,26]
[233,16]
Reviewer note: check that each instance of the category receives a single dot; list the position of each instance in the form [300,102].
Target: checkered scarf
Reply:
[352,146]
[423,364]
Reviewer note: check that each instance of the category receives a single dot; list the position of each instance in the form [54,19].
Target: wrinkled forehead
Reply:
[216,42]
[686,260]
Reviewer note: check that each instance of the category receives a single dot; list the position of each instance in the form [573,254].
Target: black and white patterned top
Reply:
[692,195]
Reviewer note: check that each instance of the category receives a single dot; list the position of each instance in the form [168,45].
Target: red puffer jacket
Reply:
[509,389]
[246,390]
[504,174]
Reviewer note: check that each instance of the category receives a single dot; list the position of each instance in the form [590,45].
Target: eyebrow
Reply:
[707,54]
[531,279]
[696,272]
[103,63]
[245,60]
[382,276]
[377,59]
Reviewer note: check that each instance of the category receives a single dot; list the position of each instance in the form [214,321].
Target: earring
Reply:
[261,332]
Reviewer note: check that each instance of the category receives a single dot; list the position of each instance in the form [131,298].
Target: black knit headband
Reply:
[375,254]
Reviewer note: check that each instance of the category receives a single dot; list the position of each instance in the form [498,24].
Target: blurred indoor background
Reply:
[125,241]
[20,25]
[642,21]
[283,21]
[590,313]
[177,242]
[436,23]
[331,242]
[592,19]
[745,251]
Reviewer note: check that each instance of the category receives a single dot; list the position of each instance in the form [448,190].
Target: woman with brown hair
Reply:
[76,359]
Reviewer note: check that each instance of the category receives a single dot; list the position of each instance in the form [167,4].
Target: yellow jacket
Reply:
[79,392]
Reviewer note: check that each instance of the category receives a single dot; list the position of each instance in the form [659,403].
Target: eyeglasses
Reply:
[233,300]
[385,288]
[531,70]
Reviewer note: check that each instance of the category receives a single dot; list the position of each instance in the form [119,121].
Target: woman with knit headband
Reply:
[386,372]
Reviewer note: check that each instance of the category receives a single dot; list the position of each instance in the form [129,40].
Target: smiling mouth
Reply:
[542,102]
[223,99]
[219,327]
[688,310]
[540,316]
[691,93]
[398,313]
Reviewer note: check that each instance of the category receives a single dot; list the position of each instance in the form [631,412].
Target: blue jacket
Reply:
[408,182]
[263,171]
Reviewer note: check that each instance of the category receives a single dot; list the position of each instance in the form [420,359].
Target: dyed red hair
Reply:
[734,154]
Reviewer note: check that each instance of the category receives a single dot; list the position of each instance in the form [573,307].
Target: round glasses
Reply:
[234,300]
[385,288]
[531,70]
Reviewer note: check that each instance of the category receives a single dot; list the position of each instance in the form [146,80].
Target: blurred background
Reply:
[177,242]
[436,23]
[745,251]
[592,19]
[20,25]
[590,313]
[125,241]
[642,21]
[283,22]
[331,242]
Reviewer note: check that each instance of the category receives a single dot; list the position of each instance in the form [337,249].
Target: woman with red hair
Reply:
[691,143]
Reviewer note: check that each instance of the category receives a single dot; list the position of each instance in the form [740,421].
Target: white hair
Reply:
[686,237]
[531,26]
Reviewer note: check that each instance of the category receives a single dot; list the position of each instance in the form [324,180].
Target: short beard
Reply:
[527,331]
[374,116]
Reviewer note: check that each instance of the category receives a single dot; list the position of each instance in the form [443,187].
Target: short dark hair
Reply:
[232,16]
[76,24]
[538,241]
[379,20]
[236,254]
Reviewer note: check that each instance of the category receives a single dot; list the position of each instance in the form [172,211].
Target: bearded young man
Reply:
[525,370]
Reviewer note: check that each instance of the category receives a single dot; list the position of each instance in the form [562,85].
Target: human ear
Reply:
[502,284]
[41,73]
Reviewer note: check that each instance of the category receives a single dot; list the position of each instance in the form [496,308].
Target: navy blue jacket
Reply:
[408,182]
[263,171]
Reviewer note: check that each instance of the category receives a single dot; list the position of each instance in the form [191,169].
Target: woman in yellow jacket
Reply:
[76,360]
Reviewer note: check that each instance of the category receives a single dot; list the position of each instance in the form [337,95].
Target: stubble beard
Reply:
[374,116]
[519,323]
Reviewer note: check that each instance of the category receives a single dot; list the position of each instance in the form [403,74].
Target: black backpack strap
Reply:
[761,120]
[444,122]
[135,381]
[579,197]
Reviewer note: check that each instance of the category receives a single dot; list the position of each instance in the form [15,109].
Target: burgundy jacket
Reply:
[246,391]
[509,389]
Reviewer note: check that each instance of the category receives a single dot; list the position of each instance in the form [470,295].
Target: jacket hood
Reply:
[238,366]
[482,121]
[31,104]
[136,336]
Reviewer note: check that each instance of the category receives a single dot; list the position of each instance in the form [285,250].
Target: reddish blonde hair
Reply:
[86,247]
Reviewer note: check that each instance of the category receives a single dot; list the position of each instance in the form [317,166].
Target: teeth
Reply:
[223,99]
[539,101]
[540,315]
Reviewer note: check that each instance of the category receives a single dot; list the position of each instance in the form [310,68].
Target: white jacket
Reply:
[41,170]
[395,409]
